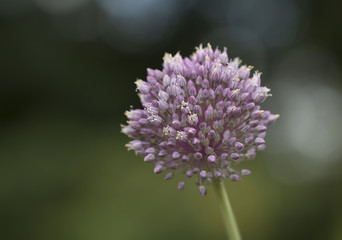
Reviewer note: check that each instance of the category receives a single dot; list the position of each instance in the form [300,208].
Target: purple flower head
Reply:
[200,117]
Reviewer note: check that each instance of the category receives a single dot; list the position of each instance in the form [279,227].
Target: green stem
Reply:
[227,211]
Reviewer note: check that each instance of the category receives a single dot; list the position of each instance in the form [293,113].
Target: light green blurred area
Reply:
[64,179]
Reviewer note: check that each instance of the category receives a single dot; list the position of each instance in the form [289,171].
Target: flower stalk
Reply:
[230,224]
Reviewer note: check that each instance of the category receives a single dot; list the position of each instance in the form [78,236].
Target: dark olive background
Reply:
[67,73]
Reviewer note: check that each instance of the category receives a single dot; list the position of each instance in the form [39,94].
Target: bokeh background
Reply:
[67,72]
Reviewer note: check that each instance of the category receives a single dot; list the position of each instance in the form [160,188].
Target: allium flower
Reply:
[200,117]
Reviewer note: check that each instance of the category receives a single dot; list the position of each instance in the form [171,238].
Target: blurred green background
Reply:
[67,72]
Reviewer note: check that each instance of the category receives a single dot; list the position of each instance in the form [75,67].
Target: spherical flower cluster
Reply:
[200,117]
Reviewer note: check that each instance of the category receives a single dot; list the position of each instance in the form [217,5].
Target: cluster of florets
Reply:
[200,117]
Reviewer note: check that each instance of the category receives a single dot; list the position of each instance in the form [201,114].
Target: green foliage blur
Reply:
[64,170]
